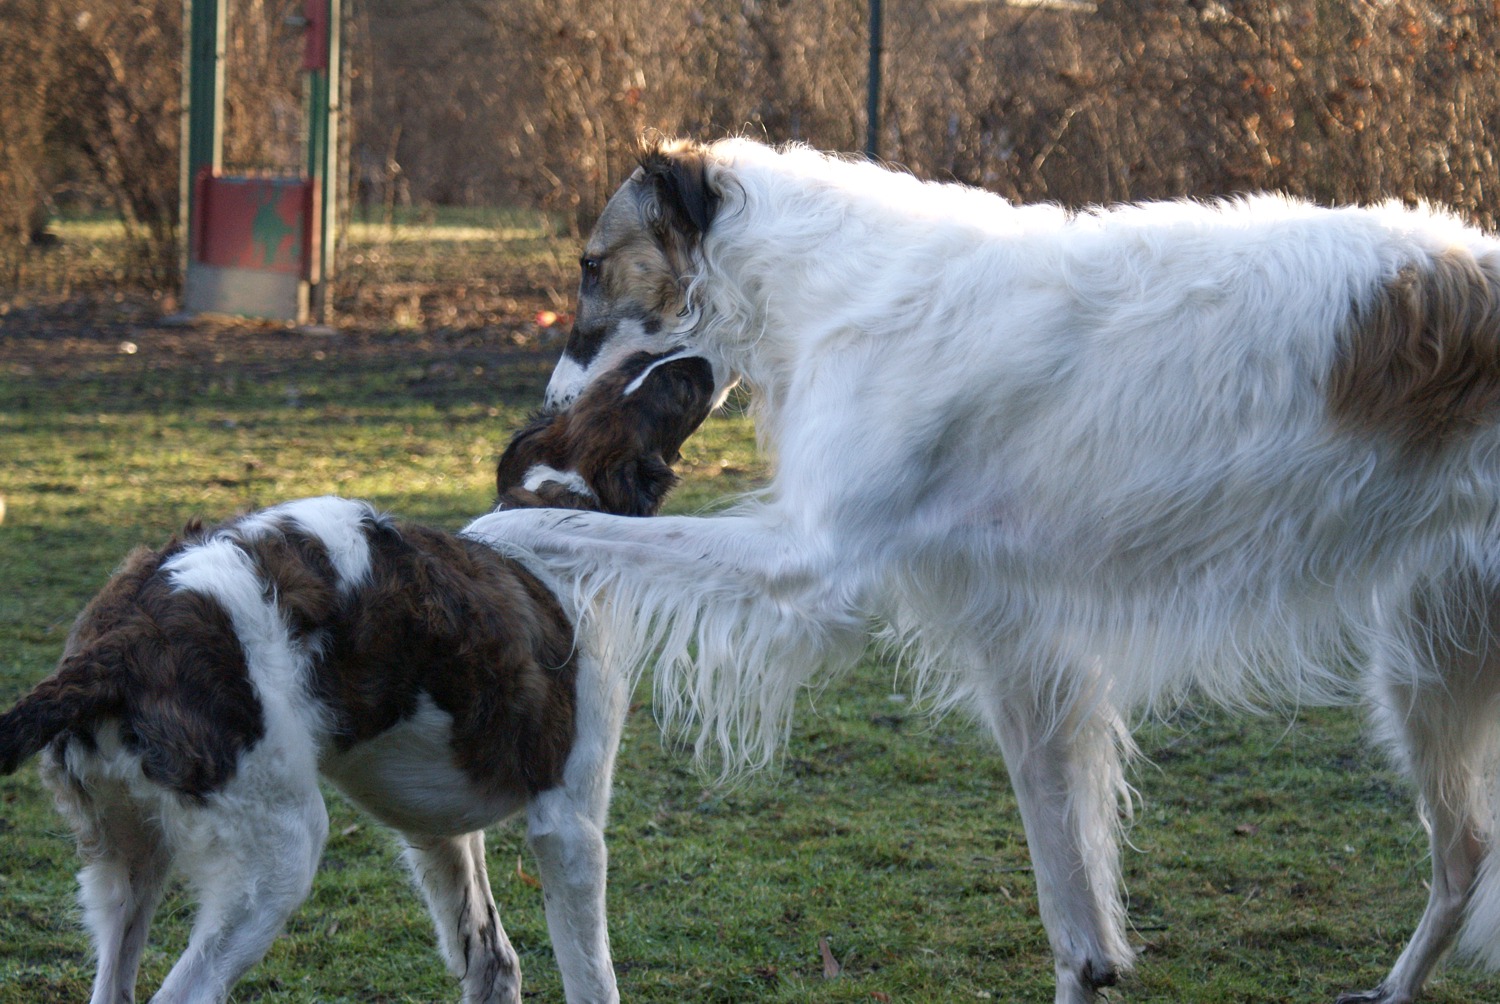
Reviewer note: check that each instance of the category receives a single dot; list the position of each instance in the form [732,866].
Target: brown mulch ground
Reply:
[67,305]
[48,339]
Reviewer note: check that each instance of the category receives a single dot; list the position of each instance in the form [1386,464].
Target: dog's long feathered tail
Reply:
[85,688]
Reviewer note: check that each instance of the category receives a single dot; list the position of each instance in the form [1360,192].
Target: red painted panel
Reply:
[315,39]
[258,223]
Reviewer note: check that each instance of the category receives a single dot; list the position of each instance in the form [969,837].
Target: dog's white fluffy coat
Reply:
[1073,466]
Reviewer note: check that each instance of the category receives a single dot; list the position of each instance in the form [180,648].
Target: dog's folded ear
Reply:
[678,172]
[679,396]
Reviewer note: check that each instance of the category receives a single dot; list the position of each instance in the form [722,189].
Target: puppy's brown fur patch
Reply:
[450,618]
[166,664]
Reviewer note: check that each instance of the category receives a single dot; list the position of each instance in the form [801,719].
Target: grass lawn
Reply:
[1271,860]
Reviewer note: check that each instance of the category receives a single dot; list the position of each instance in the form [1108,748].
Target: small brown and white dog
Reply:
[432,679]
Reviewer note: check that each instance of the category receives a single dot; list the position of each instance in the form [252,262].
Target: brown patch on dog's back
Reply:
[442,616]
[114,604]
[1421,360]
[298,577]
[191,711]
[451,618]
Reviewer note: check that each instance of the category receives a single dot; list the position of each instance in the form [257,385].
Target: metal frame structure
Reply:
[258,245]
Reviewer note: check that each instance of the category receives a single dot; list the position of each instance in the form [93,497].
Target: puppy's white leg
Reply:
[126,862]
[250,862]
[120,894]
[1066,771]
[1437,685]
[565,829]
[455,884]
[573,861]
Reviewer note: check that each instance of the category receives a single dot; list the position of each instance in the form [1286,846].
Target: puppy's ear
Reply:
[682,392]
[678,174]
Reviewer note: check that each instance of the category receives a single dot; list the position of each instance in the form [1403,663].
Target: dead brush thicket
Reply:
[542,102]
[1127,100]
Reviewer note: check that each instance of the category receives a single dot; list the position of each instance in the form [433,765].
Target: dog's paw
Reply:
[1379,995]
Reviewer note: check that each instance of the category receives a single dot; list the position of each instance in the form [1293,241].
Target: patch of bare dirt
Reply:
[50,340]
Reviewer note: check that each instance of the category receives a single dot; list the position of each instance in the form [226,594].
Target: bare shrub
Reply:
[28,61]
[543,102]
[263,115]
[100,82]
[1078,105]
[1341,102]
[117,104]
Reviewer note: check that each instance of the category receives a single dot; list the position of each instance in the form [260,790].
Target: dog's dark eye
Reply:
[590,268]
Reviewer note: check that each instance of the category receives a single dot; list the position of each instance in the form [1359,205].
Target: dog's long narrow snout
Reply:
[568,380]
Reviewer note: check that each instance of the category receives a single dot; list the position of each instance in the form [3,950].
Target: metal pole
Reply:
[872,109]
[320,63]
[202,105]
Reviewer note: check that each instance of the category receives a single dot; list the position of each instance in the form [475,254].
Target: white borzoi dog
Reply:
[434,681]
[1075,465]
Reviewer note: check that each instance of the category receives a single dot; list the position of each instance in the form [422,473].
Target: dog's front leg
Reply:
[1065,768]
[565,829]
[572,859]
[455,883]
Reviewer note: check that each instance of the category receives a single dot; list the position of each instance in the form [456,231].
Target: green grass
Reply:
[1270,862]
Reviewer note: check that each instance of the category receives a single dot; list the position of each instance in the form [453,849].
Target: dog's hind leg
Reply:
[565,829]
[120,891]
[126,864]
[250,863]
[451,873]
[1436,685]
[1065,768]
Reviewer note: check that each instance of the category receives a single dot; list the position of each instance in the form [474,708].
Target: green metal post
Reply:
[322,116]
[202,102]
